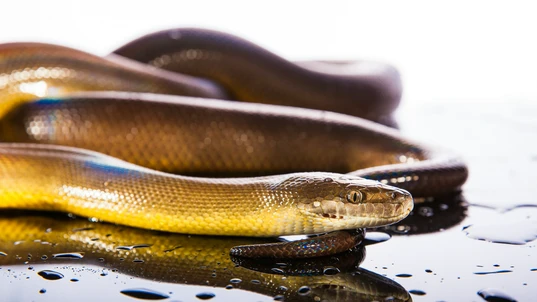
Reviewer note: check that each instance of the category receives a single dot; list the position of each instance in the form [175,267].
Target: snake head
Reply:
[335,201]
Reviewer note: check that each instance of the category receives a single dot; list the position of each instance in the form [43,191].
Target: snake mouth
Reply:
[372,213]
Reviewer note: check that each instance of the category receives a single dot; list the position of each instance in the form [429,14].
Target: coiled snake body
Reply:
[134,114]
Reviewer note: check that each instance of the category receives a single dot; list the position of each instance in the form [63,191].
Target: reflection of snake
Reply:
[199,136]
[179,259]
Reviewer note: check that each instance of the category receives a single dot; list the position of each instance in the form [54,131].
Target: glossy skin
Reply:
[203,137]
[250,73]
[181,259]
[324,245]
[30,70]
[54,178]
[45,177]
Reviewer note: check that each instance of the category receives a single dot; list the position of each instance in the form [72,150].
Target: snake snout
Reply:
[403,201]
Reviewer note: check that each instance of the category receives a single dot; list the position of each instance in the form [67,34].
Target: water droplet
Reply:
[417,292]
[82,229]
[205,296]
[3,254]
[376,237]
[138,260]
[428,271]
[50,275]
[144,293]
[426,211]
[402,229]
[256,281]
[30,267]
[68,255]
[173,249]
[330,270]
[495,295]
[283,288]
[235,280]
[493,272]
[278,298]
[229,286]
[42,291]
[403,275]
[304,290]
[44,257]
[74,280]
[130,247]
[278,270]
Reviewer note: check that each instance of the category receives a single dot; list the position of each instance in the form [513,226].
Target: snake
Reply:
[143,142]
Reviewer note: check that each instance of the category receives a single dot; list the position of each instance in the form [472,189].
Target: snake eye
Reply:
[354,196]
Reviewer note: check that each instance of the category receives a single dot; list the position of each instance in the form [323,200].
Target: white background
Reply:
[481,51]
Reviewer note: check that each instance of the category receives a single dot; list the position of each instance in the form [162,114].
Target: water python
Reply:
[153,122]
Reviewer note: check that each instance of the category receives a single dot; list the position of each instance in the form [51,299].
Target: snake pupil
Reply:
[354,197]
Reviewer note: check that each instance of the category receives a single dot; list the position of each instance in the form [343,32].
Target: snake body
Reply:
[250,73]
[196,137]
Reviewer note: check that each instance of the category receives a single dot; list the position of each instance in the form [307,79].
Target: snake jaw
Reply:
[379,205]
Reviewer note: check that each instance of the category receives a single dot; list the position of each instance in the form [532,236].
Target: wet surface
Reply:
[472,247]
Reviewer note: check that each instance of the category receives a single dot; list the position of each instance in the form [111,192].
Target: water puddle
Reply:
[514,232]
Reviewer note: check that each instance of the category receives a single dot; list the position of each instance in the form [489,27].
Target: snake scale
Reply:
[158,120]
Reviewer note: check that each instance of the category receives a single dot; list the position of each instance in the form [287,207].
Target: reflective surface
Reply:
[431,256]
